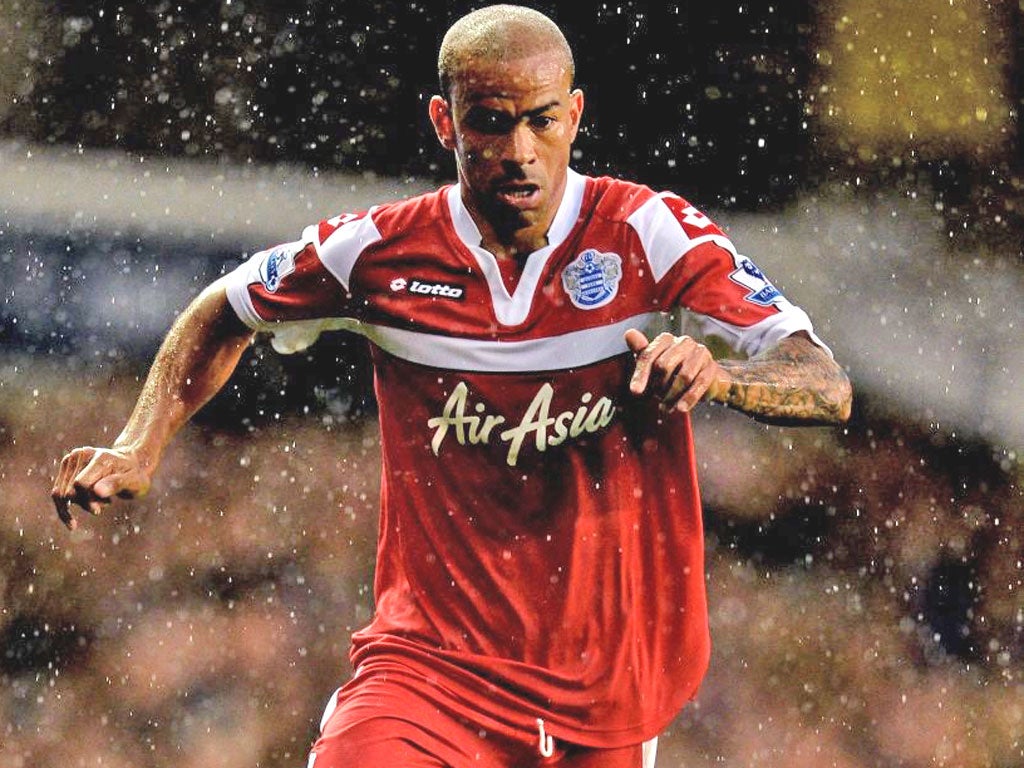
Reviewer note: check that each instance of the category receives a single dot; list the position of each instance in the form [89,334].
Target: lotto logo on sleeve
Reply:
[278,264]
[762,292]
[694,223]
[329,226]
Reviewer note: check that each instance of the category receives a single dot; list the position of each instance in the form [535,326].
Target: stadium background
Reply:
[865,583]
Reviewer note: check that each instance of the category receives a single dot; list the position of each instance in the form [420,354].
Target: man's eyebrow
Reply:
[535,112]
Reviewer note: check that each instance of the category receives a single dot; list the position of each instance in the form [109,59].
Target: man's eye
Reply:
[541,122]
[489,122]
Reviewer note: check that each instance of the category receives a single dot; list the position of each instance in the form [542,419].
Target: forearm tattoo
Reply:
[796,381]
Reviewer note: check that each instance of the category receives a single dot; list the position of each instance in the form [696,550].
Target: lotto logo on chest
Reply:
[592,279]
[421,287]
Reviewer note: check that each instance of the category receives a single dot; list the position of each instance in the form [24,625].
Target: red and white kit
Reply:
[541,553]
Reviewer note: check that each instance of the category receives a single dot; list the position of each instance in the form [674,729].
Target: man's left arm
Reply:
[794,382]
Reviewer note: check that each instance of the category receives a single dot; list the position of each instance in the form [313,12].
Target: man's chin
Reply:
[511,218]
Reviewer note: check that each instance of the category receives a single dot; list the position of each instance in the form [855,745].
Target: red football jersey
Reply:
[540,551]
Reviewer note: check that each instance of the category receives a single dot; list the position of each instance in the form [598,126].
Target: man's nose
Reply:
[522,147]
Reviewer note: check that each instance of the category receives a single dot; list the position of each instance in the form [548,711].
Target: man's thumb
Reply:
[105,488]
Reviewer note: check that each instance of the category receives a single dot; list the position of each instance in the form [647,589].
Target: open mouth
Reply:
[519,195]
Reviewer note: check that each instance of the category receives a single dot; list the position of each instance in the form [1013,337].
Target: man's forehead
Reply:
[482,79]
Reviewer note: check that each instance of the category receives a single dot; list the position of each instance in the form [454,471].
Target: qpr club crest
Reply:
[592,279]
[280,263]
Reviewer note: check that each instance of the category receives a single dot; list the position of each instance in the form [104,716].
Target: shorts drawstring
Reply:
[547,744]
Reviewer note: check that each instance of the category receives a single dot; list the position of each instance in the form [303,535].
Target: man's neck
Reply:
[516,246]
[504,239]
[509,241]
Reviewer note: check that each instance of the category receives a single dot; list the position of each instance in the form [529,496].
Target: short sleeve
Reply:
[697,267]
[297,290]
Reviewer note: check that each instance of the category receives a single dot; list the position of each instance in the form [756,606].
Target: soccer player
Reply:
[539,587]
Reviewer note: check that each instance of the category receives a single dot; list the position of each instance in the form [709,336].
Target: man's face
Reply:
[511,125]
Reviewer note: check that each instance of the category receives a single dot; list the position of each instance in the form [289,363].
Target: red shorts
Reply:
[379,719]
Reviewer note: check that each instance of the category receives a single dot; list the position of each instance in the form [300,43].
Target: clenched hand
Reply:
[92,477]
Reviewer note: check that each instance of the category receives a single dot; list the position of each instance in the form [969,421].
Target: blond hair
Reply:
[498,33]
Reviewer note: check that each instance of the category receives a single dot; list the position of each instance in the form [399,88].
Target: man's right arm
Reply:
[195,360]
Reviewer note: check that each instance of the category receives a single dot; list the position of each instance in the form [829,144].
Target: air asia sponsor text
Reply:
[475,426]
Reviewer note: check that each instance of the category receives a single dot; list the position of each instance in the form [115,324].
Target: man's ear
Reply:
[441,117]
[575,112]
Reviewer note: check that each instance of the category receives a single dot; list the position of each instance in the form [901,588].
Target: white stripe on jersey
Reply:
[663,238]
[237,289]
[343,247]
[552,353]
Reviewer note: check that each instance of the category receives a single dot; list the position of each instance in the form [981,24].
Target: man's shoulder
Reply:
[412,213]
[381,224]
[615,199]
[649,212]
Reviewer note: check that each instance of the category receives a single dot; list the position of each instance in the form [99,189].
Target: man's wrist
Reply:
[145,456]
[721,388]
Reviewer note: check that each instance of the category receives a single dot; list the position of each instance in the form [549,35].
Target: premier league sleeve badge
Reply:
[278,264]
[747,274]
[592,279]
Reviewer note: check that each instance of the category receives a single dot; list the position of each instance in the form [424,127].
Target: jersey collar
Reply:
[565,217]
[513,309]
